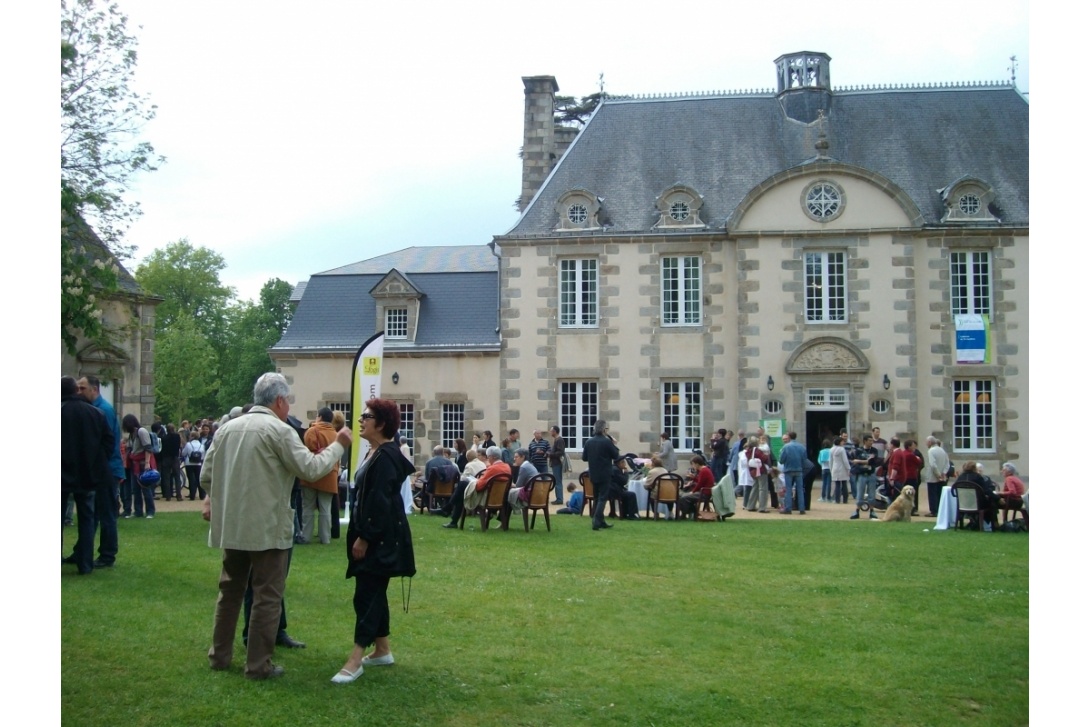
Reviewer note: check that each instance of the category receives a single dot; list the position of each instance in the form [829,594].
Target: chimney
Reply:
[538,143]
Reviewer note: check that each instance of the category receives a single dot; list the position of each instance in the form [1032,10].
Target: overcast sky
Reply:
[304,136]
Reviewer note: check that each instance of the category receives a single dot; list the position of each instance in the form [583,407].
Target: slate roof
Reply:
[457,313]
[86,241]
[921,138]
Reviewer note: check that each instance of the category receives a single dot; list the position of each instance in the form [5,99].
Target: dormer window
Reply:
[679,206]
[967,201]
[578,210]
[397,307]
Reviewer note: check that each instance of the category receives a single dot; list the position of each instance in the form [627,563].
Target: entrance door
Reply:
[826,415]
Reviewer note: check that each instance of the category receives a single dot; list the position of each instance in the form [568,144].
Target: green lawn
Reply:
[787,622]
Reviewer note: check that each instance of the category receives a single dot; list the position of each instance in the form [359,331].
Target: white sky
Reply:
[304,136]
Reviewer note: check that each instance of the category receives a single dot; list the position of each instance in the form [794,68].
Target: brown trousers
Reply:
[270,569]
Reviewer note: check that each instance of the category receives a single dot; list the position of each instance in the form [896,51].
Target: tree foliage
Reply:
[186,378]
[568,110]
[101,116]
[187,278]
[253,329]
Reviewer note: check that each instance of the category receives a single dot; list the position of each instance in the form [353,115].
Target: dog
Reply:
[900,510]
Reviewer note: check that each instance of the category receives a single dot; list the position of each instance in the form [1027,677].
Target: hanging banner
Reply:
[774,429]
[366,384]
[973,337]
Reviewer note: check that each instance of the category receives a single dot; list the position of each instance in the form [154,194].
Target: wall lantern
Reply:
[885,381]
[771,383]
[395,378]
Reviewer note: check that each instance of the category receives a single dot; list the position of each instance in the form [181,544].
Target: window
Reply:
[773,407]
[679,211]
[408,426]
[974,416]
[969,204]
[826,295]
[679,208]
[880,406]
[453,423]
[827,399]
[344,407]
[577,209]
[397,322]
[823,201]
[970,282]
[681,414]
[578,293]
[578,411]
[577,214]
[681,298]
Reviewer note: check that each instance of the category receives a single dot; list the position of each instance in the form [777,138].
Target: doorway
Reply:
[822,425]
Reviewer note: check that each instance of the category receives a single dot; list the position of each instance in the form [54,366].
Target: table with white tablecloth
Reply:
[947,516]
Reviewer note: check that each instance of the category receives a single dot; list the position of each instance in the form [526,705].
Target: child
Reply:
[575,504]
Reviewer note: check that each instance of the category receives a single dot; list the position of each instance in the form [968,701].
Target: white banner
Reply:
[366,384]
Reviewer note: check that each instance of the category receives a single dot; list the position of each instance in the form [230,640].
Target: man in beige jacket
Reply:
[248,473]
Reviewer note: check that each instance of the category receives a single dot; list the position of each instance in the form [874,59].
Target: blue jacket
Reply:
[792,457]
[117,469]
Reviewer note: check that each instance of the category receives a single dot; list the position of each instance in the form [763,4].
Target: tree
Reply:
[101,117]
[253,329]
[187,278]
[568,111]
[185,372]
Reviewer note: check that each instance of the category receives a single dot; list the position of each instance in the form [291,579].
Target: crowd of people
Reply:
[261,476]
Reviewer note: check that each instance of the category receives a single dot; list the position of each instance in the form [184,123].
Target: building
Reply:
[806,254]
[126,365]
[438,306]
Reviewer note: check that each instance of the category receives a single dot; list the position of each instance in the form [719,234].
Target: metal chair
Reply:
[541,489]
[665,490]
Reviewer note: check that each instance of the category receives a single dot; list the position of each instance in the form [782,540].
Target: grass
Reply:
[787,622]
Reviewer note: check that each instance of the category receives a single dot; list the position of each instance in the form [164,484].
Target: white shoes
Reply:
[378,661]
[344,677]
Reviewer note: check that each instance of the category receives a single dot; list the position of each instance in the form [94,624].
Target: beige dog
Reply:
[900,510]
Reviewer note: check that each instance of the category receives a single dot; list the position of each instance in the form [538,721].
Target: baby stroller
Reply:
[886,493]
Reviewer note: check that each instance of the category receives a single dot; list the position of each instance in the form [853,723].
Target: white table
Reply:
[637,487]
[947,516]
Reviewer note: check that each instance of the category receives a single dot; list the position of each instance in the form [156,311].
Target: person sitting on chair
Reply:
[699,486]
[472,495]
[973,472]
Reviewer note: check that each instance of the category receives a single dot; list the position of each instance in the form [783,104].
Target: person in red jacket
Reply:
[904,469]
[699,487]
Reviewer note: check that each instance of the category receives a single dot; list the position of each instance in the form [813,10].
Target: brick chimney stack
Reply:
[539,142]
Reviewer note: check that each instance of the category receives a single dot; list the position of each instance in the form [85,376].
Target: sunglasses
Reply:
[364,417]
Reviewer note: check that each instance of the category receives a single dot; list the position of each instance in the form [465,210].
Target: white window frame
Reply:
[683,414]
[825,283]
[397,323]
[971,282]
[407,428]
[453,423]
[682,290]
[578,412]
[974,415]
[344,407]
[578,293]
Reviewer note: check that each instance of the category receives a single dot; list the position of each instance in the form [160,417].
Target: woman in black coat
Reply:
[379,543]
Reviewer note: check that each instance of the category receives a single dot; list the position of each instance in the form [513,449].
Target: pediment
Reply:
[396,284]
[827,354]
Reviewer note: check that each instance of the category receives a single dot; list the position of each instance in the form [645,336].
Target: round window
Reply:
[824,201]
[577,214]
[679,211]
[880,406]
[773,406]
[969,204]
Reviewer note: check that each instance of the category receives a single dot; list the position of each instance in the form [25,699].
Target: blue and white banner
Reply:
[973,338]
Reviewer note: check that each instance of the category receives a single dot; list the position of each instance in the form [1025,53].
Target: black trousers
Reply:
[934,494]
[372,609]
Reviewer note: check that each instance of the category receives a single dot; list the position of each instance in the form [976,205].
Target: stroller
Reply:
[886,493]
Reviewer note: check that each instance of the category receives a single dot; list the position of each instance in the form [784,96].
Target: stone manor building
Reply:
[817,256]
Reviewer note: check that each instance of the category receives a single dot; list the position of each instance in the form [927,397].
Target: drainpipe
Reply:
[499,283]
